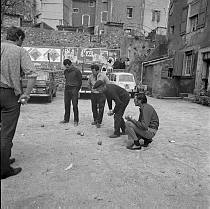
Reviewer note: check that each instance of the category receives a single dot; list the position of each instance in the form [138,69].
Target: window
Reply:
[75,10]
[156,16]
[129,12]
[193,23]
[104,16]
[91,4]
[188,63]
[125,78]
[170,72]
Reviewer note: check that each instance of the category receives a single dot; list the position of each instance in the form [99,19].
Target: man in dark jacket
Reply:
[73,84]
[140,132]
[121,98]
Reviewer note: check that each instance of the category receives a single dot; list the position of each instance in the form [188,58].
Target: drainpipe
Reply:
[142,69]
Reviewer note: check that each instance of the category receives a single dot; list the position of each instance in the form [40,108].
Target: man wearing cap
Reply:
[140,132]
[98,99]
[121,98]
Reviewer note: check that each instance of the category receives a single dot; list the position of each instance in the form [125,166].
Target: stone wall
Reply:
[43,37]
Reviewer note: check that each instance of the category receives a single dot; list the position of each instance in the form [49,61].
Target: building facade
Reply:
[155,15]
[188,34]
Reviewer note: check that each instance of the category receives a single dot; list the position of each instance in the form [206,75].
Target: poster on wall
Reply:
[44,54]
[89,55]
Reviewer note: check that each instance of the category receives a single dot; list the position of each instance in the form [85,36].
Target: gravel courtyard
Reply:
[165,176]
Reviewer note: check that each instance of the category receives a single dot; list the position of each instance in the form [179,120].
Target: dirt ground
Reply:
[166,176]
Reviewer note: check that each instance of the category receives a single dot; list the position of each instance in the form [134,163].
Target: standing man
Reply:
[98,99]
[141,131]
[73,84]
[15,61]
[121,98]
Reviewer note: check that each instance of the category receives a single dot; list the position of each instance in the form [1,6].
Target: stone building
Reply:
[184,65]
[188,34]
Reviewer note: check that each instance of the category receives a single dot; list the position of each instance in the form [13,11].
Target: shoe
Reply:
[134,147]
[11,160]
[114,136]
[146,143]
[98,125]
[122,133]
[76,123]
[12,172]
[64,121]
[94,123]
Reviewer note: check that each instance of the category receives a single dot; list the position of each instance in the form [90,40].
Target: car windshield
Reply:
[42,76]
[125,78]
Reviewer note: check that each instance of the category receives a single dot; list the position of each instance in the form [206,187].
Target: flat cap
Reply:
[98,84]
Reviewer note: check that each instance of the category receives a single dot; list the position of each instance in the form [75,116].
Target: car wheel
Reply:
[50,98]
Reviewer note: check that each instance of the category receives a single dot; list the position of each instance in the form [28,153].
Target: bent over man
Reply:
[98,99]
[15,61]
[140,132]
[121,98]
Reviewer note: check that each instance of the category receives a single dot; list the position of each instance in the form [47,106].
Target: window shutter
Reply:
[202,14]
[194,9]
[183,24]
[178,63]
[195,58]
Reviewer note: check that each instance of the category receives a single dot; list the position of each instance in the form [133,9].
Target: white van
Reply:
[124,80]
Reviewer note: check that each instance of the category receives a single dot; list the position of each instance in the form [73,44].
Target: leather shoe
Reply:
[64,121]
[11,172]
[134,147]
[94,123]
[76,123]
[11,160]
[98,125]
[114,136]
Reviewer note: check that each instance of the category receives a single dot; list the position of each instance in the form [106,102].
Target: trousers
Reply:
[98,102]
[71,95]
[119,122]
[135,133]
[10,111]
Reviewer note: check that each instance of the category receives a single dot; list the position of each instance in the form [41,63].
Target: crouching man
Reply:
[140,132]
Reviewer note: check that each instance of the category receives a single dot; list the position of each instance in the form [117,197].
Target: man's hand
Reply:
[23,99]
[129,117]
[110,113]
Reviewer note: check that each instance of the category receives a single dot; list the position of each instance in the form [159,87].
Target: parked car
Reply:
[45,85]
[124,80]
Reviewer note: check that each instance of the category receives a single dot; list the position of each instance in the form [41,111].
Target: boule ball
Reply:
[99,142]
[82,134]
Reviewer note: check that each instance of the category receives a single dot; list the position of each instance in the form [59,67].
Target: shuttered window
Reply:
[194,8]
[178,63]
[184,21]
[202,13]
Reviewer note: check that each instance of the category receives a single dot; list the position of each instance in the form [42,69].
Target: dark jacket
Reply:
[120,96]
[73,77]
[148,117]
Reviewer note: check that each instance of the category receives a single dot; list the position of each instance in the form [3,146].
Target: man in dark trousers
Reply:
[140,132]
[97,99]
[121,98]
[15,61]
[73,84]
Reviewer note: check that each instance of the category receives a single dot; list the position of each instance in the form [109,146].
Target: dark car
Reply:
[45,85]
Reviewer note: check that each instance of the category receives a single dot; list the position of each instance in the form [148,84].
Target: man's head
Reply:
[15,34]
[140,99]
[95,69]
[100,86]
[67,63]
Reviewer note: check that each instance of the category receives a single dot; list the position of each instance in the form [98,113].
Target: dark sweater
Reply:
[73,77]
[148,117]
[119,95]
